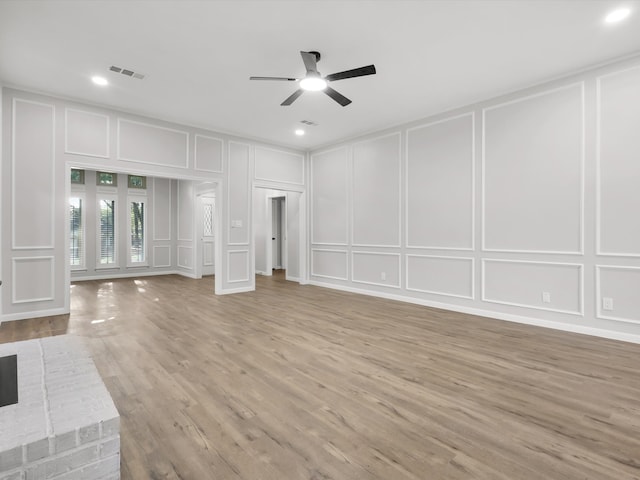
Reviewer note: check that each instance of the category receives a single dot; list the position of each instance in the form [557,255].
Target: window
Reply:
[136,181]
[107,179]
[76,232]
[107,232]
[137,231]
[77,176]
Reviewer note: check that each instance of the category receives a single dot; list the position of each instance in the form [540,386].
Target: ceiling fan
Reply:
[315,82]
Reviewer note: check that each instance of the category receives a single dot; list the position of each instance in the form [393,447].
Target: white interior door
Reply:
[208,235]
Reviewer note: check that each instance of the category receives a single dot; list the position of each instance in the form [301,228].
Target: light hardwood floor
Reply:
[301,382]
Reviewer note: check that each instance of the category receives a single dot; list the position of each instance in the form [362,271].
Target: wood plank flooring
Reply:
[301,382]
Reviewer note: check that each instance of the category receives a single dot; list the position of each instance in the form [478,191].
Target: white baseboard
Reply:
[113,276]
[11,317]
[292,279]
[229,291]
[566,327]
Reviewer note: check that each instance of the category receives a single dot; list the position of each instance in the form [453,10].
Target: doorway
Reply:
[278,233]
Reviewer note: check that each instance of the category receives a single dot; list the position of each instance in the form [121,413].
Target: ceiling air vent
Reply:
[309,122]
[126,71]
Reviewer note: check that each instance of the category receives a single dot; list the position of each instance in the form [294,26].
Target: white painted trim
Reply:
[113,276]
[471,114]
[178,216]
[52,228]
[195,153]
[230,291]
[347,184]
[581,241]
[15,261]
[598,295]
[120,157]
[472,278]
[598,168]
[12,317]
[66,133]
[248,263]
[580,266]
[169,213]
[351,160]
[256,147]
[156,265]
[187,267]
[346,262]
[359,252]
[491,315]
[249,226]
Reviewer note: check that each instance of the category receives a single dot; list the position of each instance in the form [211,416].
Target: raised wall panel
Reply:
[86,133]
[208,154]
[278,166]
[621,285]
[533,173]
[33,172]
[237,266]
[33,279]
[376,192]
[161,209]
[619,163]
[161,256]
[185,210]
[184,257]
[329,202]
[451,276]
[145,143]
[329,264]
[523,283]
[238,194]
[440,168]
[376,268]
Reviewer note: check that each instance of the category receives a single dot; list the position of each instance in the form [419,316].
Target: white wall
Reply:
[43,137]
[523,207]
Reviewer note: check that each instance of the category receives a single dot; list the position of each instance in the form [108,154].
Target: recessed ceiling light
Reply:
[313,84]
[299,132]
[100,81]
[617,15]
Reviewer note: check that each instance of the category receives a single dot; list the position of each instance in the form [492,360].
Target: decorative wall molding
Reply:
[49,296]
[351,193]
[471,114]
[471,260]
[382,254]
[249,205]
[483,188]
[278,180]
[580,267]
[66,133]
[599,311]
[122,121]
[155,256]
[195,154]
[14,214]
[346,263]
[244,253]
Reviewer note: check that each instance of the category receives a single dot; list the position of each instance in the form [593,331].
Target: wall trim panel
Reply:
[599,310]
[195,154]
[471,114]
[66,133]
[483,188]
[266,179]
[449,294]
[346,263]
[122,120]
[158,265]
[245,253]
[386,254]
[580,267]
[14,294]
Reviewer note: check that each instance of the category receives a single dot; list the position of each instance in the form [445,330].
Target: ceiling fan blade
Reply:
[286,79]
[356,72]
[338,97]
[309,60]
[292,98]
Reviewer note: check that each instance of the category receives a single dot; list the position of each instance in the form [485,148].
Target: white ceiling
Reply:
[197,56]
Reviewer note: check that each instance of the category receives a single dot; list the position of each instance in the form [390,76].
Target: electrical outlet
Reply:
[383,276]
[546,297]
[607,303]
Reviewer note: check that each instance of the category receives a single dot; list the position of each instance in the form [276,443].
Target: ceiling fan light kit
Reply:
[314,82]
